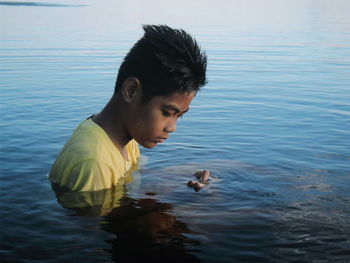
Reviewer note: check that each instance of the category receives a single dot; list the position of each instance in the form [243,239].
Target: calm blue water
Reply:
[272,125]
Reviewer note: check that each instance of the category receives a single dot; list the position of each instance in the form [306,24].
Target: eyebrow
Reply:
[174,108]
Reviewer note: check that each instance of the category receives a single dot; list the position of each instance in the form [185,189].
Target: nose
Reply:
[170,126]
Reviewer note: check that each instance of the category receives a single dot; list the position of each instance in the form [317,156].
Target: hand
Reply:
[203,177]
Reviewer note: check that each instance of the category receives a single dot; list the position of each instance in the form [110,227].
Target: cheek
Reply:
[154,124]
[148,124]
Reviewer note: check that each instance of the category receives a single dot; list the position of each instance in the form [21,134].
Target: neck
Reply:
[112,121]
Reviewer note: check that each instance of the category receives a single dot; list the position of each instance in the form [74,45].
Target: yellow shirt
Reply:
[90,161]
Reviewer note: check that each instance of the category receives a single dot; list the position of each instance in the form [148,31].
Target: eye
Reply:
[180,116]
[165,113]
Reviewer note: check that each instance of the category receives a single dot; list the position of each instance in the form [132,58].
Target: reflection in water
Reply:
[145,229]
[96,203]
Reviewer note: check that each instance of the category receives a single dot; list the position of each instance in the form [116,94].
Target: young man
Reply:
[155,85]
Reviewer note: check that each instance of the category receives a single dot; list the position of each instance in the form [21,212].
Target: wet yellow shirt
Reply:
[90,161]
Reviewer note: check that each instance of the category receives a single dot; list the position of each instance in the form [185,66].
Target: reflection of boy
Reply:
[97,203]
[155,85]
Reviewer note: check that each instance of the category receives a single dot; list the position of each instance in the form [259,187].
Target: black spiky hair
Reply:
[165,61]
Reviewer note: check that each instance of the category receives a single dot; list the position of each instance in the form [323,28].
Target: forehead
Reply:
[177,99]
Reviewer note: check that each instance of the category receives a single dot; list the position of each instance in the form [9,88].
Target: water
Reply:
[272,125]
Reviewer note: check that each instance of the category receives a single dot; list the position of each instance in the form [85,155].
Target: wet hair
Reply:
[165,61]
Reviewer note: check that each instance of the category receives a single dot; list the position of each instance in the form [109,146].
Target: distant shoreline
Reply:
[37,4]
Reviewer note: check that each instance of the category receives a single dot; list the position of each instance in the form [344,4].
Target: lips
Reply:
[160,139]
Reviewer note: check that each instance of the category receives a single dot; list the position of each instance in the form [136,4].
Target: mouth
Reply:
[160,139]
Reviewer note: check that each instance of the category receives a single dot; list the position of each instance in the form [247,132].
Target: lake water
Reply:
[272,125]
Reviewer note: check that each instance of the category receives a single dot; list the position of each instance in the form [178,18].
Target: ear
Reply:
[131,88]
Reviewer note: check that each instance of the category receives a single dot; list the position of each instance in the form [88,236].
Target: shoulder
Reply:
[87,132]
[85,153]
[87,142]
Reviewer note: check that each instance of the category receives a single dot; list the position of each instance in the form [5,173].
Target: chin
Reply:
[148,145]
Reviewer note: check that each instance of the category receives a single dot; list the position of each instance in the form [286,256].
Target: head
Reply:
[164,61]
[158,79]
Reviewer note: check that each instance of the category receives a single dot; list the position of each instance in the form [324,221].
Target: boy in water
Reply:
[156,83]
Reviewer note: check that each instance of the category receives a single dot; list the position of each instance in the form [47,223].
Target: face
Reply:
[152,122]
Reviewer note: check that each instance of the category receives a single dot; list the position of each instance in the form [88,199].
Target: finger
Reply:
[198,174]
[205,175]
[195,185]
[190,183]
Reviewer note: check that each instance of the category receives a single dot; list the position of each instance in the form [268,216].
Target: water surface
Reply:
[272,125]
